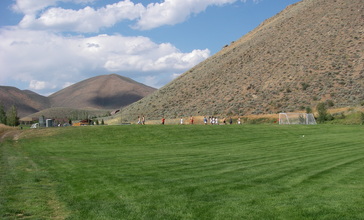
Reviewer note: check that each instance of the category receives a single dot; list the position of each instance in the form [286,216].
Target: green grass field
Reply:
[184,172]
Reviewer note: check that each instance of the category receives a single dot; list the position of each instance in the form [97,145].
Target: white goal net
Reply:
[296,118]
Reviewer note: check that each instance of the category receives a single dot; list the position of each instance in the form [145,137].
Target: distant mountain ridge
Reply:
[105,92]
[27,102]
[311,52]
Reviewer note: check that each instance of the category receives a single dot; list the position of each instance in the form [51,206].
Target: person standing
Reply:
[163,120]
[143,120]
[205,120]
[181,121]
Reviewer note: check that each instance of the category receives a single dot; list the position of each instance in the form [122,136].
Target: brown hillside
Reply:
[26,102]
[311,52]
[101,92]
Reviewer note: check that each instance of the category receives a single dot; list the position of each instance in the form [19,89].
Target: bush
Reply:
[322,112]
[329,103]
[329,117]
[308,110]
[304,86]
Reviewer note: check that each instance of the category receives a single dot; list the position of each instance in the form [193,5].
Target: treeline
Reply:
[10,117]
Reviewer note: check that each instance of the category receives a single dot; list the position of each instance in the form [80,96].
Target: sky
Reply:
[47,45]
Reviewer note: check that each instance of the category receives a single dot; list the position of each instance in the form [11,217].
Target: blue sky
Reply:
[47,45]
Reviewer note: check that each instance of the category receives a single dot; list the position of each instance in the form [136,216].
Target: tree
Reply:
[322,112]
[2,115]
[12,117]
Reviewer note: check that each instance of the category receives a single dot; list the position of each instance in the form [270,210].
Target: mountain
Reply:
[101,92]
[311,52]
[105,92]
[27,102]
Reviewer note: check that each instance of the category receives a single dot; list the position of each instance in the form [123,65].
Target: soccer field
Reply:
[184,172]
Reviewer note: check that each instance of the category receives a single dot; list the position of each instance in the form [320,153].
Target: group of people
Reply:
[215,121]
[141,121]
[210,120]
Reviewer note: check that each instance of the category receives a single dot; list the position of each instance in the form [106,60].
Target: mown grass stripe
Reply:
[202,172]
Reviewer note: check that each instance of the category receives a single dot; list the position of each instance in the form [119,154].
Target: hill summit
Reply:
[105,92]
[311,52]
[101,92]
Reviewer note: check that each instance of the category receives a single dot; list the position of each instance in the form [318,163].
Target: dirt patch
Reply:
[6,132]
[10,134]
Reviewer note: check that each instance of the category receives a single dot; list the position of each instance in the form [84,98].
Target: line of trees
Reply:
[10,117]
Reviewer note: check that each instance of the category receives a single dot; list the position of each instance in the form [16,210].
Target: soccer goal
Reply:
[296,118]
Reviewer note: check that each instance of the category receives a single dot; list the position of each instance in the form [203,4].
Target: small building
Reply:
[42,122]
[49,123]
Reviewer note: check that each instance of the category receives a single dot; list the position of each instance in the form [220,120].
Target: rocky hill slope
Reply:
[311,52]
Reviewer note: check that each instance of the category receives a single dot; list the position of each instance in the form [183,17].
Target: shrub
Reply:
[308,109]
[304,86]
[322,112]
[329,117]
[329,103]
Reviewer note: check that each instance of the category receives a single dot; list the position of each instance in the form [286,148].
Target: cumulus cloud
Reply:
[37,85]
[43,58]
[88,19]
[170,12]
[28,7]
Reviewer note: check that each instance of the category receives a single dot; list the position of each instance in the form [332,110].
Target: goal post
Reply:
[296,118]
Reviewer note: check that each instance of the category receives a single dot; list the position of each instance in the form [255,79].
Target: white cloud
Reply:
[86,20]
[28,7]
[37,85]
[47,60]
[171,12]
